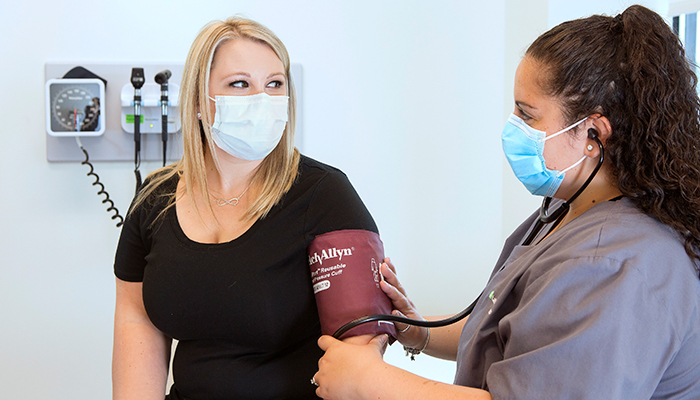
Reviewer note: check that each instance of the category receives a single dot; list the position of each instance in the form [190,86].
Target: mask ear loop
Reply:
[552,136]
[592,134]
[558,215]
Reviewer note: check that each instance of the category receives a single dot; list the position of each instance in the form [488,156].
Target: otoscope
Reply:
[137,81]
[162,79]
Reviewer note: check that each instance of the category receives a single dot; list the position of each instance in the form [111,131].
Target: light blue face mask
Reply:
[524,149]
[249,127]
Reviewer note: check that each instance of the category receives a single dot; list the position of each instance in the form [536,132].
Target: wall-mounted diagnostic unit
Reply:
[82,107]
[116,142]
[120,112]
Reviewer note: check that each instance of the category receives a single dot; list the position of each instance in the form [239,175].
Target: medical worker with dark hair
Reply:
[597,295]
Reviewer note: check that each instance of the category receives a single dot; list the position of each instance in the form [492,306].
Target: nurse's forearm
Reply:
[388,382]
[444,340]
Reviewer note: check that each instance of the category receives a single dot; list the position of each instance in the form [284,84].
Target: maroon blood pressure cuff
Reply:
[345,277]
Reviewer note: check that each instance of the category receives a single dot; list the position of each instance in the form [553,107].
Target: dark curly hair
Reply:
[633,70]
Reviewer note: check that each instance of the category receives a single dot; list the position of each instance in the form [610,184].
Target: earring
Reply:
[199,115]
[589,147]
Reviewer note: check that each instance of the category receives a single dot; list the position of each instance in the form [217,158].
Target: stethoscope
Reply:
[545,217]
[558,215]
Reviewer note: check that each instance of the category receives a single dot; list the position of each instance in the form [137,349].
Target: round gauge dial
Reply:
[73,107]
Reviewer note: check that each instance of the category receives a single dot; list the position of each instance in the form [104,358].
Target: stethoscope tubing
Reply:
[543,219]
[408,321]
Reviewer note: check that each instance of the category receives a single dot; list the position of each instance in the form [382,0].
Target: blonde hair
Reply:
[276,173]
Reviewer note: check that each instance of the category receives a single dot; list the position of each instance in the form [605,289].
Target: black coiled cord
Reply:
[102,188]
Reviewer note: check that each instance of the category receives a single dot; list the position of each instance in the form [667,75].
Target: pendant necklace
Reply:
[232,201]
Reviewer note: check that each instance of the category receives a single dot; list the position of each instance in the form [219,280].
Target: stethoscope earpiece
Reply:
[593,135]
[557,215]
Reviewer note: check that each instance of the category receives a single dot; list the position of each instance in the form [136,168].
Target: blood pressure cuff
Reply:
[345,277]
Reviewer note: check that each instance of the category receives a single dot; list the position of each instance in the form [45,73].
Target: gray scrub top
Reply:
[607,307]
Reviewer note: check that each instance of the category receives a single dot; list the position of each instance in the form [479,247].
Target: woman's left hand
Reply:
[346,369]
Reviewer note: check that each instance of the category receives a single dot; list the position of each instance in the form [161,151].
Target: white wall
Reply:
[407,97]
[560,11]
[404,96]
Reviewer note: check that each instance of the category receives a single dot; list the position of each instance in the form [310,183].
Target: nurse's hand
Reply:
[345,369]
[411,336]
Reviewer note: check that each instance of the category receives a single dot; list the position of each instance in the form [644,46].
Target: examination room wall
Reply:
[407,97]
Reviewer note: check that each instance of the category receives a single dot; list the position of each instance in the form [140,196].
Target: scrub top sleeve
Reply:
[335,205]
[588,328]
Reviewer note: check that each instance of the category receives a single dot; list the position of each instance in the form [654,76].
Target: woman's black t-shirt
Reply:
[243,311]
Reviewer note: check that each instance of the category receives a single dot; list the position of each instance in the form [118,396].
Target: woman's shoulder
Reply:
[636,245]
[630,239]
[161,182]
[330,200]
[312,166]
[314,172]
[155,194]
[615,247]
[622,224]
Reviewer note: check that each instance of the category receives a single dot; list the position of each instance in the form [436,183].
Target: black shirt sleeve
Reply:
[335,205]
[130,259]
[135,238]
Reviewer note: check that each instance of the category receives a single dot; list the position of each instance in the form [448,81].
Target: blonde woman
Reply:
[213,251]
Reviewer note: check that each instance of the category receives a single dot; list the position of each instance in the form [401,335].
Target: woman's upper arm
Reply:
[131,318]
[129,299]
[141,352]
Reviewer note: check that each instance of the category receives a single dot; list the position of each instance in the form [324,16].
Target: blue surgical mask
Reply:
[524,149]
